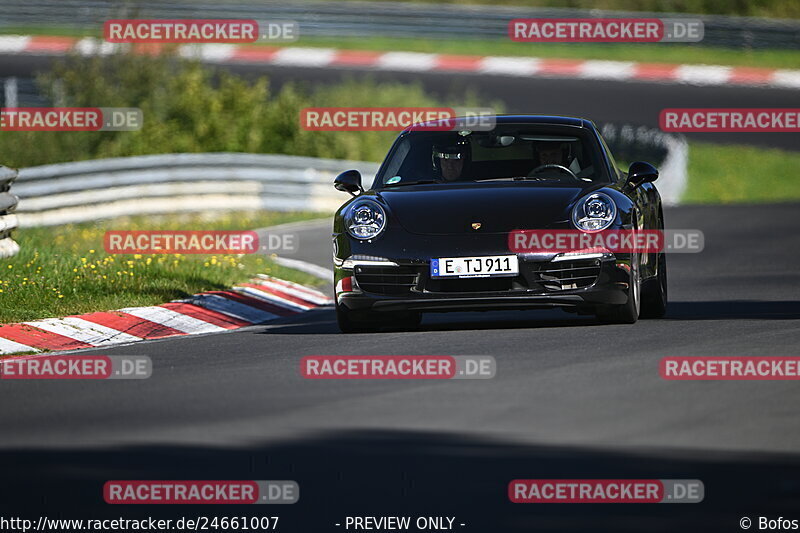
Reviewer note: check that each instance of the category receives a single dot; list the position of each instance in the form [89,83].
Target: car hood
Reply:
[498,208]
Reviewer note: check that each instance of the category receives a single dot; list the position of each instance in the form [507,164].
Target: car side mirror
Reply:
[641,172]
[349,181]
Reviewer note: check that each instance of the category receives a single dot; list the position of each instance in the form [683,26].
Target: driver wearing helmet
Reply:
[450,161]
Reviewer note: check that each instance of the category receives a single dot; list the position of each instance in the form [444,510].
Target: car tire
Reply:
[627,313]
[654,292]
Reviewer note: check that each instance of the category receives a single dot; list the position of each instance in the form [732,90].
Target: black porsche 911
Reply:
[431,234]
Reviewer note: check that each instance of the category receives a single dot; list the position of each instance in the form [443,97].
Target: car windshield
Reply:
[566,156]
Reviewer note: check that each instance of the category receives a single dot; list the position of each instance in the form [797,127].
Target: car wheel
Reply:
[654,292]
[627,313]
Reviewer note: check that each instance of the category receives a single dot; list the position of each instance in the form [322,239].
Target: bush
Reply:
[189,107]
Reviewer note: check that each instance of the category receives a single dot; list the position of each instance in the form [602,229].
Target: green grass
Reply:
[647,53]
[56,31]
[752,8]
[721,174]
[64,270]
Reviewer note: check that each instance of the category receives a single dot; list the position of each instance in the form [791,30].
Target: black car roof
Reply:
[543,119]
[533,119]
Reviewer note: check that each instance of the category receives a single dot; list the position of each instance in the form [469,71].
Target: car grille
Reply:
[392,281]
[470,285]
[565,275]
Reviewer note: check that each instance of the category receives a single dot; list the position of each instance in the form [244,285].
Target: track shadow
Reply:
[323,321]
[734,310]
[393,473]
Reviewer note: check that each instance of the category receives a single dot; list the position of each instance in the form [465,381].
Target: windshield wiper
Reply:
[513,178]
[399,183]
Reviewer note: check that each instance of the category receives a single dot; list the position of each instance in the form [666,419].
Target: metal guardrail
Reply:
[8,220]
[173,183]
[386,19]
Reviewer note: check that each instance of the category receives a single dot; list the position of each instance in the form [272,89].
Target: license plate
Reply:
[475,267]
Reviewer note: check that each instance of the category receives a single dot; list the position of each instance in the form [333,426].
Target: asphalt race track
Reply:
[571,399]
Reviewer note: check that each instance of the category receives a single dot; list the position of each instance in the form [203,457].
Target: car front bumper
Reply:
[581,284]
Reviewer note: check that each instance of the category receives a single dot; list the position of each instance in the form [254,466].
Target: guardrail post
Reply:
[8,221]
[11,92]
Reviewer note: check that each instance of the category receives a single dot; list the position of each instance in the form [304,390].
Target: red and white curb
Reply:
[263,299]
[419,62]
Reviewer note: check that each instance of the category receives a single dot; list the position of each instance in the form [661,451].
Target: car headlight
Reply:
[365,219]
[596,212]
